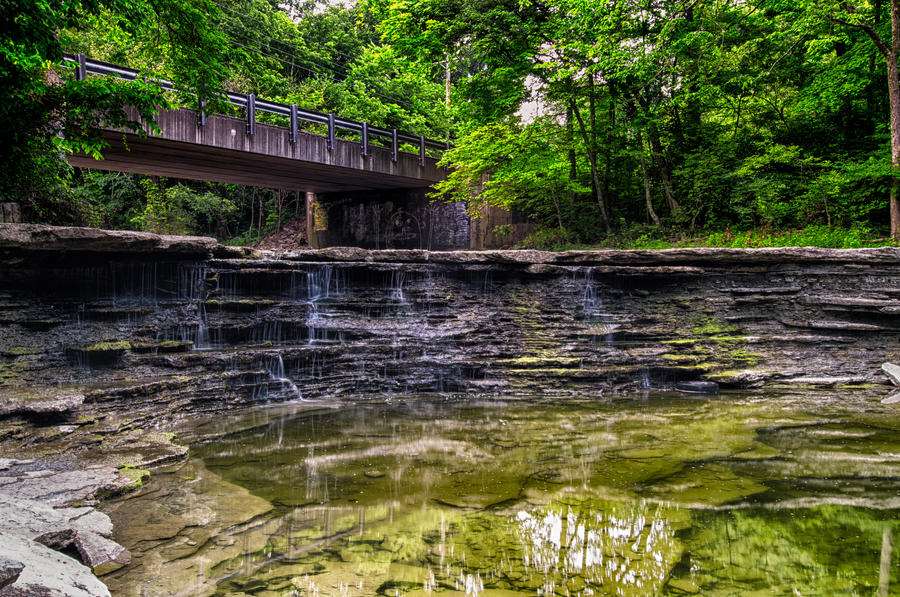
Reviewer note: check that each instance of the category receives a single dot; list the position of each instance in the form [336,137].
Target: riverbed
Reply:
[744,493]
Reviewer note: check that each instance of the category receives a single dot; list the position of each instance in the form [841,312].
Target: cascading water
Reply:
[592,305]
[275,368]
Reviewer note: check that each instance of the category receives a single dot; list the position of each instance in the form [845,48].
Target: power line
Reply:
[330,76]
[324,61]
[331,64]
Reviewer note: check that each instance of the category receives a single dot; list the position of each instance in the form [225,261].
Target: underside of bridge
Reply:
[222,151]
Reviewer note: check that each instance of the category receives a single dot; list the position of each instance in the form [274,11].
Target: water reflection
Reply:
[654,496]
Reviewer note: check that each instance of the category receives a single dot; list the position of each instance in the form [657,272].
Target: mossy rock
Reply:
[99,354]
[20,351]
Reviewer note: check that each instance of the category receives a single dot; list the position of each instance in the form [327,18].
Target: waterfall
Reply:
[275,368]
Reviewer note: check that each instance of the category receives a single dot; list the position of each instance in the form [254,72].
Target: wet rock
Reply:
[697,387]
[892,399]
[40,402]
[826,381]
[9,571]
[746,378]
[893,372]
[100,554]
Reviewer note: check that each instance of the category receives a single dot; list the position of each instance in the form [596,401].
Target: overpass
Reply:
[219,148]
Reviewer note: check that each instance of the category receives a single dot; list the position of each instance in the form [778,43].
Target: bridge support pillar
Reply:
[316,221]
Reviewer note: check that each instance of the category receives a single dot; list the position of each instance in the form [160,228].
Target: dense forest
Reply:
[630,121]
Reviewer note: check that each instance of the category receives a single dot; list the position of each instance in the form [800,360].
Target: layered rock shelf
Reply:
[89,326]
[107,336]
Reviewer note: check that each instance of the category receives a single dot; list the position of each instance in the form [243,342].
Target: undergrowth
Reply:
[812,236]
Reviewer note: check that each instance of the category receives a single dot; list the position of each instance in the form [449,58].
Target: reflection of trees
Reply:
[621,548]
[827,550]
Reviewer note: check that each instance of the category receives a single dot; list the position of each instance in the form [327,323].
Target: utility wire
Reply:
[294,49]
[330,76]
[324,61]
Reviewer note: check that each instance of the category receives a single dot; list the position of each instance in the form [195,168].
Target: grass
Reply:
[811,236]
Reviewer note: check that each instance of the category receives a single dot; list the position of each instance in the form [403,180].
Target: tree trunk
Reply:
[891,53]
[665,177]
[647,196]
[573,166]
[592,160]
[894,94]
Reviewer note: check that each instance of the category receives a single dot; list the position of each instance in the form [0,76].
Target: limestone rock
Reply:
[47,402]
[697,387]
[101,554]
[893,372]
[826,381]
[35,525]
[35,237]
[46,572]
[892,399]
[9,571]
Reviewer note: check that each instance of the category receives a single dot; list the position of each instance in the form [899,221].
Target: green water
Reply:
[744,494]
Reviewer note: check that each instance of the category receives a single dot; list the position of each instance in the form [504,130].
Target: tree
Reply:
[45,113]
[851,14]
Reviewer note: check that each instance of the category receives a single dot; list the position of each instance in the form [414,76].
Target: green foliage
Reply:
[597,119]
[181,210]
[46,114]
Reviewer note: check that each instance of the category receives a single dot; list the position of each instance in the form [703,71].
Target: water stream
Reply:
[794,493]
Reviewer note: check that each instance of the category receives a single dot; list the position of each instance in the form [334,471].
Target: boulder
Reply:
[893,372]
[9,571]
[46,572]
[101,554]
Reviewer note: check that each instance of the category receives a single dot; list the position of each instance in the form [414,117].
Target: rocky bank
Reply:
[108,337]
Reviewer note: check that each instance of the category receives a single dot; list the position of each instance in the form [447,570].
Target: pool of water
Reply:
[660,494]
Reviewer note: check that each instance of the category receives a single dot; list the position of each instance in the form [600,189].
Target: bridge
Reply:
[219,148]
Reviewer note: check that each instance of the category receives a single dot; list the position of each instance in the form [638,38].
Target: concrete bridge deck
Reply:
[221,150]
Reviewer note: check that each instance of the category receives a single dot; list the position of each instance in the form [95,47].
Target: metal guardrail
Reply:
[250,103]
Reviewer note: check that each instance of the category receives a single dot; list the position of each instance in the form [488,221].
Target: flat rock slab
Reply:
[35,237]
[893,372]
[45,403]
[697,387]
[825,381]
[61,488]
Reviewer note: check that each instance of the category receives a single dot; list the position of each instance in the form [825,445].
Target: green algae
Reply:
[110,346]
[643,496]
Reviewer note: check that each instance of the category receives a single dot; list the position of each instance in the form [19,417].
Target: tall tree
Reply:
[860,16]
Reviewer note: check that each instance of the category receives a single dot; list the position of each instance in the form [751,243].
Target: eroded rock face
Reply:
[152,334]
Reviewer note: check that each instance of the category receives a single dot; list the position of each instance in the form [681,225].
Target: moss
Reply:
[681,358]
[113,346]
[713,328]
[681,341]
[542,362]
[18,351]
[137,476]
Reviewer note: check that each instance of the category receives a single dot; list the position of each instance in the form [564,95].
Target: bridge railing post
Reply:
[251,114]
[421,150]
[365,139]
[330,144]
[292,135]
[201,117]
[80,67]
[395,149]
